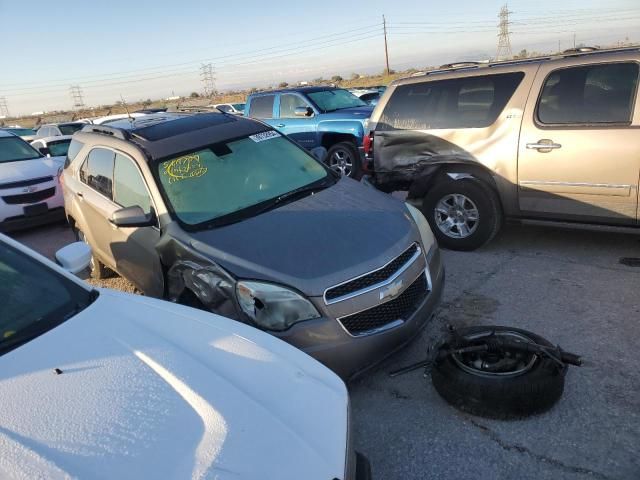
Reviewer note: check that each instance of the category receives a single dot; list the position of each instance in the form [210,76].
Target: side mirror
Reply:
[303,112]
[75,257]
[132,217]
[44,150]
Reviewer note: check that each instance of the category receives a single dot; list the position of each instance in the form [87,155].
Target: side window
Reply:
[262,107]
[289,103]
[469,102]
[97,171]
[224,108]
[591,94]
[42,132]
[129,188]
[74,148]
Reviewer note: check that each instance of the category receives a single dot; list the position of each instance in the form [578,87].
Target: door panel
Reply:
[575,166]
[300,129]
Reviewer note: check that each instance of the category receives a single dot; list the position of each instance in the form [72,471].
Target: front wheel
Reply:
[463,214]
[344,158]
[98,270]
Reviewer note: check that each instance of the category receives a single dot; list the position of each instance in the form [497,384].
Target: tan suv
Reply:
[546,140]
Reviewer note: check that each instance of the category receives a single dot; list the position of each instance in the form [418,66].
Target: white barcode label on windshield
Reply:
[261,137]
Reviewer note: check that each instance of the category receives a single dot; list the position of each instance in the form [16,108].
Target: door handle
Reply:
[544,145]
[80,195]
[280,125]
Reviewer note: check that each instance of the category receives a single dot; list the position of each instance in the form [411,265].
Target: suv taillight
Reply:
[367,146]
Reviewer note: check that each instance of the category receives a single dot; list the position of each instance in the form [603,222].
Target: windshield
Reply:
[229,178]
[70,128]
[336,99]
[35,298]
[238,106]
[21,131]
[59,148]
[13,149]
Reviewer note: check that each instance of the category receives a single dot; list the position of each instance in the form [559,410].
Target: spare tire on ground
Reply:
[497,383]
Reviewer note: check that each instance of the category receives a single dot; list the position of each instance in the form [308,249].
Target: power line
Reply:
[504,43]
[76,95]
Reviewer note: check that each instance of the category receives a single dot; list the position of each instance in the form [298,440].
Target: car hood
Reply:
[151,389]
[27,169]
[360,113]
[316,242]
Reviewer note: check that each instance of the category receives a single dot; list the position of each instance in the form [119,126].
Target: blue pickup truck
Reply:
[327,117]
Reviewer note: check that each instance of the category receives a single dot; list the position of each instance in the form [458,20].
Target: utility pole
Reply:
[504,43]
[208,79]
[386,49]
[4,108]
[76,96]
[559,49]
[574,40]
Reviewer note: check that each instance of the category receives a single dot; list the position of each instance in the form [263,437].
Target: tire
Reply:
[98,270]
[509,396]
[344,158]
[444,193]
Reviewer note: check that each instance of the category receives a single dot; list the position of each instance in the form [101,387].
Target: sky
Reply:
[154,49]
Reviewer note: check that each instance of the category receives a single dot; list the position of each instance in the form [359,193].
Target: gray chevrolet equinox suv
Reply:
[226,214]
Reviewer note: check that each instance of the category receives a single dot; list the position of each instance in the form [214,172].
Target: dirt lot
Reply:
[567,286]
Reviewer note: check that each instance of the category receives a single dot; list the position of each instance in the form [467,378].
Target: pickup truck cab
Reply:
[327,117]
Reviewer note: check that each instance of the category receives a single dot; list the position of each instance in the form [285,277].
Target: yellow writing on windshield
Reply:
[181,168]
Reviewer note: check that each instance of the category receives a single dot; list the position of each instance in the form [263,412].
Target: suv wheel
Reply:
[463,214]
[343,157]
[98,270]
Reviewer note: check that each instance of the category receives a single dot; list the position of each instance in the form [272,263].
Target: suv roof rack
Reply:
[569,51]
[106,130]
[460,65]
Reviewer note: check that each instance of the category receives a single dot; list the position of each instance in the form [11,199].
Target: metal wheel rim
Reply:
[463,361]
[341,162]
[456,216]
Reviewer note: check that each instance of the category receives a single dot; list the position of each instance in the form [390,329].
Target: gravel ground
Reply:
[571,288]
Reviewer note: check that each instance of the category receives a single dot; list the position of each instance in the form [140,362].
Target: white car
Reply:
[30,189]
[58,129]
[233,108]
[53,146]
[103,384]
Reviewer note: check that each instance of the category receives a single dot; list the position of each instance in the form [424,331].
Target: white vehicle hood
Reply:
[150,389]
[28,169]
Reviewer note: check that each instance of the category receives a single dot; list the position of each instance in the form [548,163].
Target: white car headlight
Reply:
[426,235]
[273,307]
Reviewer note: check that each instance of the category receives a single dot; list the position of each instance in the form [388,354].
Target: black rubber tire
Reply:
[356,171]
[485,198]
[512,397]
[98,269]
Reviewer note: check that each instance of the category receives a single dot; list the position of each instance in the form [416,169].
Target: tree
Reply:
[283,85]
[523,54]
[318,80]
[194,95]
[355,76]
[336,78]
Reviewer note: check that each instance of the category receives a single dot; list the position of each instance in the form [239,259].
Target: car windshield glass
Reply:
[337,99]
[236,178]
[70,128]
[13,149]
[238,106]
[35,298]
[21,131]
[59,149]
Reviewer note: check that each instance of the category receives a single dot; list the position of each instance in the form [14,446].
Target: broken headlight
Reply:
[273,307]
[426,235]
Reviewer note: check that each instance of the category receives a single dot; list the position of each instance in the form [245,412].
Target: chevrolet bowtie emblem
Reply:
[29,189]
[391,291]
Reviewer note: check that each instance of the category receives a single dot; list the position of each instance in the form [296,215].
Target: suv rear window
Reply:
[470,102]
[589,95]
[262,107]
[74,148]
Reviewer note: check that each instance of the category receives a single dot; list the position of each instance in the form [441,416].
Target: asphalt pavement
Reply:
[568,286]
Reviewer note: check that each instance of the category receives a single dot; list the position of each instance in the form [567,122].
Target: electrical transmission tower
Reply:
[208,79]
[504,44]
[4,108]
[76,95]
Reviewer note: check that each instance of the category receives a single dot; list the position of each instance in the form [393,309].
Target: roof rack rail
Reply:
[106,130]
[460,65]
[570,51]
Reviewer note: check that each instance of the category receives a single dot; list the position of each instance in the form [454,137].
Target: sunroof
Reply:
[180,125]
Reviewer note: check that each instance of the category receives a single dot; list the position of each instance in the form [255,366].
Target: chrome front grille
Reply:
[363,282]
[389,313]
